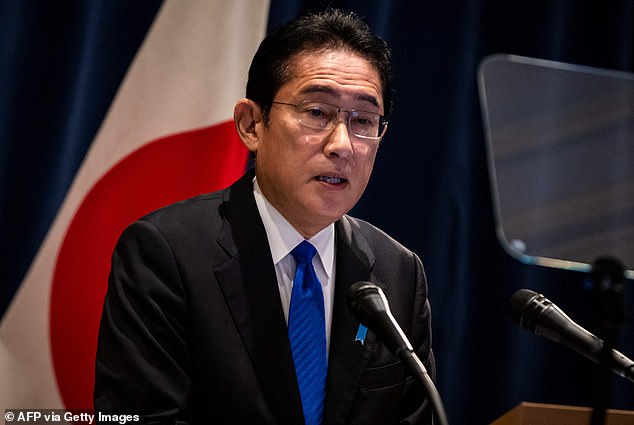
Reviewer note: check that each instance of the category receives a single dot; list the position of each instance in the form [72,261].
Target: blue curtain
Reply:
[60,64]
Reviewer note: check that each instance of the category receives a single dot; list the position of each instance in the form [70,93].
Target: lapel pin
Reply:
[361,333]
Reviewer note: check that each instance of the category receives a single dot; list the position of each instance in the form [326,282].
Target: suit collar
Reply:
[242,225]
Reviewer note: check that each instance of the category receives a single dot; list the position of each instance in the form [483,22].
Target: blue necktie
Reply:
[307,334]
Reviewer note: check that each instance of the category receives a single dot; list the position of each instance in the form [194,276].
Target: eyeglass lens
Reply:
[324,116]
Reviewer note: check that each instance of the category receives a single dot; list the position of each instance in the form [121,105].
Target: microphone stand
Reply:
[607,275]
[413,363]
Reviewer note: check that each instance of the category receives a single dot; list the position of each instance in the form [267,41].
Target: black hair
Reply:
[334,29]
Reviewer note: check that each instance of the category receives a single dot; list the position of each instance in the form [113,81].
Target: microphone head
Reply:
[357,292]
[521,307]
[518,303]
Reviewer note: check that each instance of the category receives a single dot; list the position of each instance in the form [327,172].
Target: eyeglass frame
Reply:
[332,123]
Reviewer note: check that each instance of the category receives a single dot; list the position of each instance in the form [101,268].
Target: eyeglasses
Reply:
[324,116]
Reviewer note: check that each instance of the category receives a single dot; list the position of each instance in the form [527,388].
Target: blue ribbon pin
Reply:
[361,333]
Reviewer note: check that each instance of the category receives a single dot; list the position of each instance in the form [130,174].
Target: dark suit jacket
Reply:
[193,330]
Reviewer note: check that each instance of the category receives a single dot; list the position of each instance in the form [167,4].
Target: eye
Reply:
[316,111]
[364,119]
[313,110]
[317,115]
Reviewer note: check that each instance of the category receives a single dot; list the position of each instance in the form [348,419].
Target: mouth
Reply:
[331,180]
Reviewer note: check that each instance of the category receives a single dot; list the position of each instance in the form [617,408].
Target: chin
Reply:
[328,209]
[332,216]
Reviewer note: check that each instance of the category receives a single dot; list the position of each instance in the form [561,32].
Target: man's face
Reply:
[314,177]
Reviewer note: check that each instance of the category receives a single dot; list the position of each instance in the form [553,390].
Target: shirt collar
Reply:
[283,237]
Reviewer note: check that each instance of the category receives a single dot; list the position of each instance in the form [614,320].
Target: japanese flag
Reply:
[168,135]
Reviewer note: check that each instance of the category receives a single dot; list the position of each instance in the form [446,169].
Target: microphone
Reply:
[369,304]
[534,312]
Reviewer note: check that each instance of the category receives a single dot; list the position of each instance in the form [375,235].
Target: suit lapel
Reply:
[250,287]
[348,359]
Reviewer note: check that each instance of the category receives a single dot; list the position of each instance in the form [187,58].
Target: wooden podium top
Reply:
[552,414]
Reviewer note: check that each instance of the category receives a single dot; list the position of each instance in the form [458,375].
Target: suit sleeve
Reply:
[416,407]
[142,364]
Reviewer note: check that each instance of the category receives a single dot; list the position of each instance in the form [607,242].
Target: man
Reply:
[201,316]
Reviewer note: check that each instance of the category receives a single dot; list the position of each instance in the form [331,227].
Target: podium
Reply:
[527,413]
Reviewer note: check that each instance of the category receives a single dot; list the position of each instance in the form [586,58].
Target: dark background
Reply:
[61,64]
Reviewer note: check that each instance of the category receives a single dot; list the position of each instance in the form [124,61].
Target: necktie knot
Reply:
[304,253]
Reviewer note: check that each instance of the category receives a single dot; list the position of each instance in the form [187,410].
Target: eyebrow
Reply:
[329,90]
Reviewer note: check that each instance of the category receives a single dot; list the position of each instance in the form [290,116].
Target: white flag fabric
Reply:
[168,135]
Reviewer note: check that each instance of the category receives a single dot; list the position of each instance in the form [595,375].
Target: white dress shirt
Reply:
[283,238]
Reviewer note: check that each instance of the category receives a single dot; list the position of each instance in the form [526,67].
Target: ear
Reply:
[247,116]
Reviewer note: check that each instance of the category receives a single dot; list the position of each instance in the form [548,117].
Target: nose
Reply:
[339,142]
